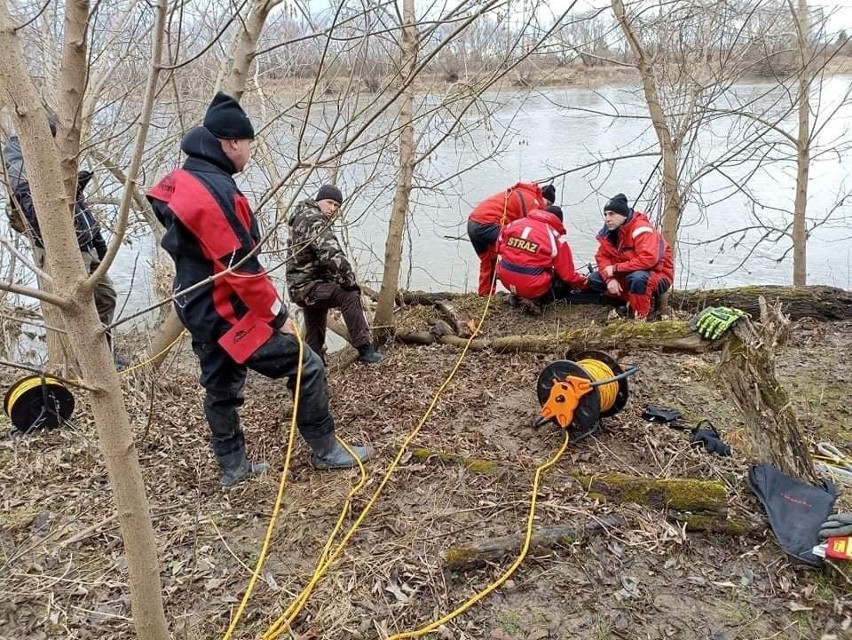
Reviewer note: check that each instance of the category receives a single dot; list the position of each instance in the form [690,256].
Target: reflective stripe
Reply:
[526,233]
[641,230]
[553,250]
[517,268]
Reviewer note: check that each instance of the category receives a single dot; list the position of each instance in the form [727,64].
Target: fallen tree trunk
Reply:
[819,302]
[668,335]
[680,494]
[495,549]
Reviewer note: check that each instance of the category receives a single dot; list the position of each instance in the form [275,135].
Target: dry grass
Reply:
[64,574]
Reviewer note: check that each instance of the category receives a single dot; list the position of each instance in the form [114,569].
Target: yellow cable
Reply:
[277,508]
[422,631]
[280,625]
[139,365]
[602,371]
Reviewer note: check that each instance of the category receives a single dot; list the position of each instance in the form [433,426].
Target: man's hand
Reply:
[289,327]
[614,287]
[608,271]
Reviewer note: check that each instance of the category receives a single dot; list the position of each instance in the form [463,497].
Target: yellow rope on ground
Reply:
[282,623]
[422,631]
[277,508]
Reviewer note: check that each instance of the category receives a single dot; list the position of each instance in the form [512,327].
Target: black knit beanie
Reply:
[329,192]
[549,193]
[618,205]
[557,211]
[226,119]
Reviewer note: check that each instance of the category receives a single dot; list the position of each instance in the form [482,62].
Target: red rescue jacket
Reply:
[532,250]
[515,202]
[635,246]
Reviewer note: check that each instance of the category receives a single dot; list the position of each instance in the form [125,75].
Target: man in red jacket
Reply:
[634,260]
[226,300]
[494,213]
[535,260]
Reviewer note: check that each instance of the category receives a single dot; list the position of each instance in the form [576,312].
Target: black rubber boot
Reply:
[369,354]
[330,454]
[236,468]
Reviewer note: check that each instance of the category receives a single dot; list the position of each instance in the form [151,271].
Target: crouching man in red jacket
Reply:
[492,214]
[634,260]
[535,260]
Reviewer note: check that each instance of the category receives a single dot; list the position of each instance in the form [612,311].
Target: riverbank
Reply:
[646,579]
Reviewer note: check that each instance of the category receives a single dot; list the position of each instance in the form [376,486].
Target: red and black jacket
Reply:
[210,227]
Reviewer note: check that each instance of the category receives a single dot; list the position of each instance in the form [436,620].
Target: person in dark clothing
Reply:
[237,320]
[22,218]
[320,277]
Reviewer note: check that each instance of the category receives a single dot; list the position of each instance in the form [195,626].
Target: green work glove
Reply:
[714,321]
[838,524]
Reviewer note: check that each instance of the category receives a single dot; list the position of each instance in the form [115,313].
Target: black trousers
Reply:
[223,379]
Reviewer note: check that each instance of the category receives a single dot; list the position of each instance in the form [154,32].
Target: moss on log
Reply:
[495,549]
[473,465]
[680,494]
[668,335]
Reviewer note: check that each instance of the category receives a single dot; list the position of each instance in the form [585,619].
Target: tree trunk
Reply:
[815,301]
[803,149]
[670,335]
[495,549]
[64,262]
[747,369]
[399,211]
[668,146]
[243,48]
[73,79]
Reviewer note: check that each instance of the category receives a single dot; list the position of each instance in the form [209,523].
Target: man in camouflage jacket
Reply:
[319,276]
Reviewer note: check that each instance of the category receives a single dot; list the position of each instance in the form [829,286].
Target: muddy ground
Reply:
[64,575]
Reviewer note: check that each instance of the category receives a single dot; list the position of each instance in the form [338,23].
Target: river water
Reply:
[544,134]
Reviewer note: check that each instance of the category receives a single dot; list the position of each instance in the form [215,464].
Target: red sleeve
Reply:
[564,265]
[603,259]
[648,245]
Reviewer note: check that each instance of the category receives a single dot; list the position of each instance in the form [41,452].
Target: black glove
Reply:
[710,439]
[838,524]
[351,287]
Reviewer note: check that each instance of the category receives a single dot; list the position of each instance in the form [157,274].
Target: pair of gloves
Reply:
[838,524]
[715,321]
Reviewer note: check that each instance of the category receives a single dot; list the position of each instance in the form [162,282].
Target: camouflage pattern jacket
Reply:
[314,254]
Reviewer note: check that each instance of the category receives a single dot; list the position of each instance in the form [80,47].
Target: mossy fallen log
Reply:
[473,465]
[668,335]
[819,302]
[495,549]
[680,494]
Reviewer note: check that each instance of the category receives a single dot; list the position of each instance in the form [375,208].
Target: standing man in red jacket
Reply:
[535,260]
[494,213]
[634,260]
[226,300]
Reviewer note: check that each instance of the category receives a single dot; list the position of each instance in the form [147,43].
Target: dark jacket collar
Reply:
[201,145]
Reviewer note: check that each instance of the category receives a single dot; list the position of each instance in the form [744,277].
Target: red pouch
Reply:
[245,337]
